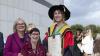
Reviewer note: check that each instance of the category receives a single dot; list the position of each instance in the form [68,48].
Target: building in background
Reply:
[32,11]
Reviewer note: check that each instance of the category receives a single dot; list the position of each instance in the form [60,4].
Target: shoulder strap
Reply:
[66,30]
[63,34]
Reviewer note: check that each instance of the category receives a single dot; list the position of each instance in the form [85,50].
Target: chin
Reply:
[57,21]
[34,41]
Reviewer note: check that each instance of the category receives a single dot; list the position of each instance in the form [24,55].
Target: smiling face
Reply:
[58,16]
[20,26]
[34,36]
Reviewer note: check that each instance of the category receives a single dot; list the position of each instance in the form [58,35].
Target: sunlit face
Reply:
[34,36]
[86,32]
[58,16]
[20,26]
[89,32]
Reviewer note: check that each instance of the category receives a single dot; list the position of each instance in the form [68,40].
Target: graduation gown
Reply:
[67,35]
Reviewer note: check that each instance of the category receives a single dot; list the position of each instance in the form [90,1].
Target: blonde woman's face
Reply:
[20,27]
[58,16]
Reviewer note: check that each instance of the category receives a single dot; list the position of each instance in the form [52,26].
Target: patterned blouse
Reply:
[28,51]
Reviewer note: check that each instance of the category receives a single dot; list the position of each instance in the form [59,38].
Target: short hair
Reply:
[34,30]
[15,24]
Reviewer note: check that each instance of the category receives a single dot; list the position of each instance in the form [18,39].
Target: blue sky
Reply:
[84,12]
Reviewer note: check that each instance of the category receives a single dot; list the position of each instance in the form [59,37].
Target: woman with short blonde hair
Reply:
[16,40]
[15,24]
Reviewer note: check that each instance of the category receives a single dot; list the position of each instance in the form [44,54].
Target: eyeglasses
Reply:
[20,23]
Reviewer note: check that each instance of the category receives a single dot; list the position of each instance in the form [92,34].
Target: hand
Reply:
[19,54]
[48,54]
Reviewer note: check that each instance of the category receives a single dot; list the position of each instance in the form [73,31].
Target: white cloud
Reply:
[84,12]
[93,15]
[95,5]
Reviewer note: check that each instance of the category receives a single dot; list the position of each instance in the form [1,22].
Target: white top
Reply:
[87,44]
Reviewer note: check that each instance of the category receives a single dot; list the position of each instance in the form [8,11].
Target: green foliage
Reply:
[75,27]
[98,29]
[95,29]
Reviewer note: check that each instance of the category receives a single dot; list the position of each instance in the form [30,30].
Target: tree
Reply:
[98,29]
[75,27]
